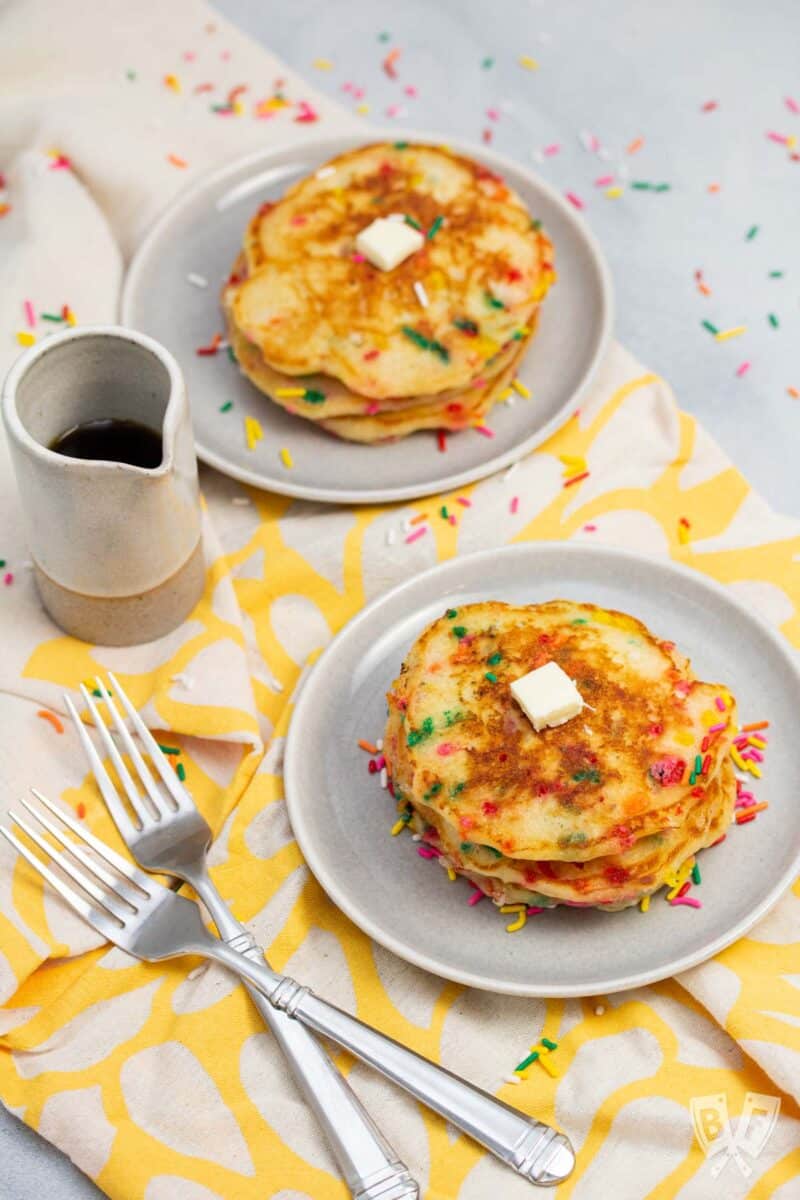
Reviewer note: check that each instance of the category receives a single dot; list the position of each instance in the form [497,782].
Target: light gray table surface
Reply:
[621,70]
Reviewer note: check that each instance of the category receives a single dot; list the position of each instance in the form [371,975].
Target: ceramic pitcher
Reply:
[116,549]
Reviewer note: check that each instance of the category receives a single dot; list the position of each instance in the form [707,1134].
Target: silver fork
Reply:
[171,836]
[151,922]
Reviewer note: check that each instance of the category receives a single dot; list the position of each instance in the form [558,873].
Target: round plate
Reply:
[201,234]
[342,818]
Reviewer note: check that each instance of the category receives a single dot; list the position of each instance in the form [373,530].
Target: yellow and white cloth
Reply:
[159,1081]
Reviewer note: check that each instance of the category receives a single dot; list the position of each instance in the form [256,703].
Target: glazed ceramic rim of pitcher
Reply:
[22,365]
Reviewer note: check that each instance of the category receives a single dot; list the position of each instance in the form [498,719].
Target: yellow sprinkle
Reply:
[285,393]
[362,110]
[506,392]
[451,875]
[509,908]
[521,917]
[436,280]
[238,108]
[680,876]
[683,535]
[737,758]
[520,387]
[287,459]
[644,903]
[684,738]
[753,769]
[709,717]
[26,339]
[398,827]
[614,193]
[486,347]
[271,105]
[727,699]
[252,432]
[544,1061]
[70,315]
[730,333]
[323,64]
[417,180]
[758,742]
[444,146]
[791,141]
[172,82]
[530,64]
[523,1075]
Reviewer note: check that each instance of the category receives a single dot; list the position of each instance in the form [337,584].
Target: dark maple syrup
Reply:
[112,440]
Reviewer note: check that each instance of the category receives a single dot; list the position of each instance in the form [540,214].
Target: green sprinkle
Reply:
[698,764]
[98,693]
[490,675]
[495,659]
[313,397]
[696,876]
[2,563]
[443,512]
[491,849]
[59,320]
[773,320]
[550,1045]
[453,718]
[492,301]
[662,187]
[169,749]
[180,771]
[424,343]
[776,274]
[640,186]
[692,779]
[751,233]
[410,221]
[451,613]
[384,37]
[231,355]
[432,791]
[711,328]
[458,789]
[517,335]
[466,847]
[400,145]
[460,631]
[436,225]
[440,351]
[590,776]
[526,1062]
[537,225]
[130,75]
[465,325]
[580,621]
[415,736]
[572,839]
[227,406]
[487,63]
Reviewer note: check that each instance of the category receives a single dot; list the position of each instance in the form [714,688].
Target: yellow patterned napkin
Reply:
[159,1080]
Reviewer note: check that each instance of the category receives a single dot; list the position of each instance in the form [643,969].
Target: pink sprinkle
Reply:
[792,105]
[410,90]
[777,137]
[452,520]
[358,93]
[8,579]
[464,501]
[60,163]
[604,181]
[574,200]
[720,703]
[514,504]
[372,408]
[746,800]
[29,314]
[718,728]
[551,150]
[688,900]
[306,114]
[358,257]
[743,369]
[417,534]
[709,105]
[753,754]
[347,87]
[189,56]
[380,763]
[760,734]
[225,56]
[393,110]
[478,383]
[590,528]
[428,852]
[532,910]
[476,897]
[493,114]
[445,748]
[483,429]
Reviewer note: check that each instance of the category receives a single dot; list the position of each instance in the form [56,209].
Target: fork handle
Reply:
[371,1168]
[536,1151]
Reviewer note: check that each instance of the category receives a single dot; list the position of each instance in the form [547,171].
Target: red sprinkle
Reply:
[441,441]
[576,479]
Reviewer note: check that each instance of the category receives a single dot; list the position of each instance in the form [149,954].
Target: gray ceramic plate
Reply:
[341,817]
[201,233]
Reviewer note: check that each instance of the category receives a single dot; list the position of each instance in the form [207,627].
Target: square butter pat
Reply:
[547,696]
[386,243]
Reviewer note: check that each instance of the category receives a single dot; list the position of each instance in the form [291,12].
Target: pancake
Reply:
[610,881]
[457,742]
[310,306]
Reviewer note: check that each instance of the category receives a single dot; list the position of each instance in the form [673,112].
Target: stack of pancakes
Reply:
[370,354]
[599,811]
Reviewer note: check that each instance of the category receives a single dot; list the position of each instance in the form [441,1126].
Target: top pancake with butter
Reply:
[458,743]
[310,303]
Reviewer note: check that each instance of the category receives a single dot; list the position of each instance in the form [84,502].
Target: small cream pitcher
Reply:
[116,548]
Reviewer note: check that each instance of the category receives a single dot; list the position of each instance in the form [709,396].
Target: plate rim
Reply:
[363,920]
[410,491]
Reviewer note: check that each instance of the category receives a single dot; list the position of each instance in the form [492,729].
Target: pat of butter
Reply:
[386,243]
[547,696]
